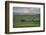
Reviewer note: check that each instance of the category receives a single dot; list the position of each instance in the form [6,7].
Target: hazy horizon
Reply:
[26,10]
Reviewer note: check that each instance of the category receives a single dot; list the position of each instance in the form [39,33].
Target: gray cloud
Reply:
[26,10]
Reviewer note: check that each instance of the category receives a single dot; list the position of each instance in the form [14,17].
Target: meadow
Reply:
[20,21]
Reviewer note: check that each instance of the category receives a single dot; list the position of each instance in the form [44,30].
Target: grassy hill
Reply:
[20,21]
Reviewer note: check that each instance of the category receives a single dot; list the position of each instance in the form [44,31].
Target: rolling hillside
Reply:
[26,21]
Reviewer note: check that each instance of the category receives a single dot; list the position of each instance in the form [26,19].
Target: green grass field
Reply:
[26,21]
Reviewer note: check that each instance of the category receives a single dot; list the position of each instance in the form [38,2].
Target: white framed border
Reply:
[11,29]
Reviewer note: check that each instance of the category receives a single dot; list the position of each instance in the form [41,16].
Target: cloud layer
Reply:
[26,10]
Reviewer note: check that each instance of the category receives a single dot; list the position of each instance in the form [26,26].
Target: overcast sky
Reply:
[26,10]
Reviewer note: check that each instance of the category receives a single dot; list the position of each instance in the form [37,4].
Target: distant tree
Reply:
[22,20]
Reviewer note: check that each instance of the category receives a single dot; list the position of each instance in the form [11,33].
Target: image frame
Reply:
[7,16]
